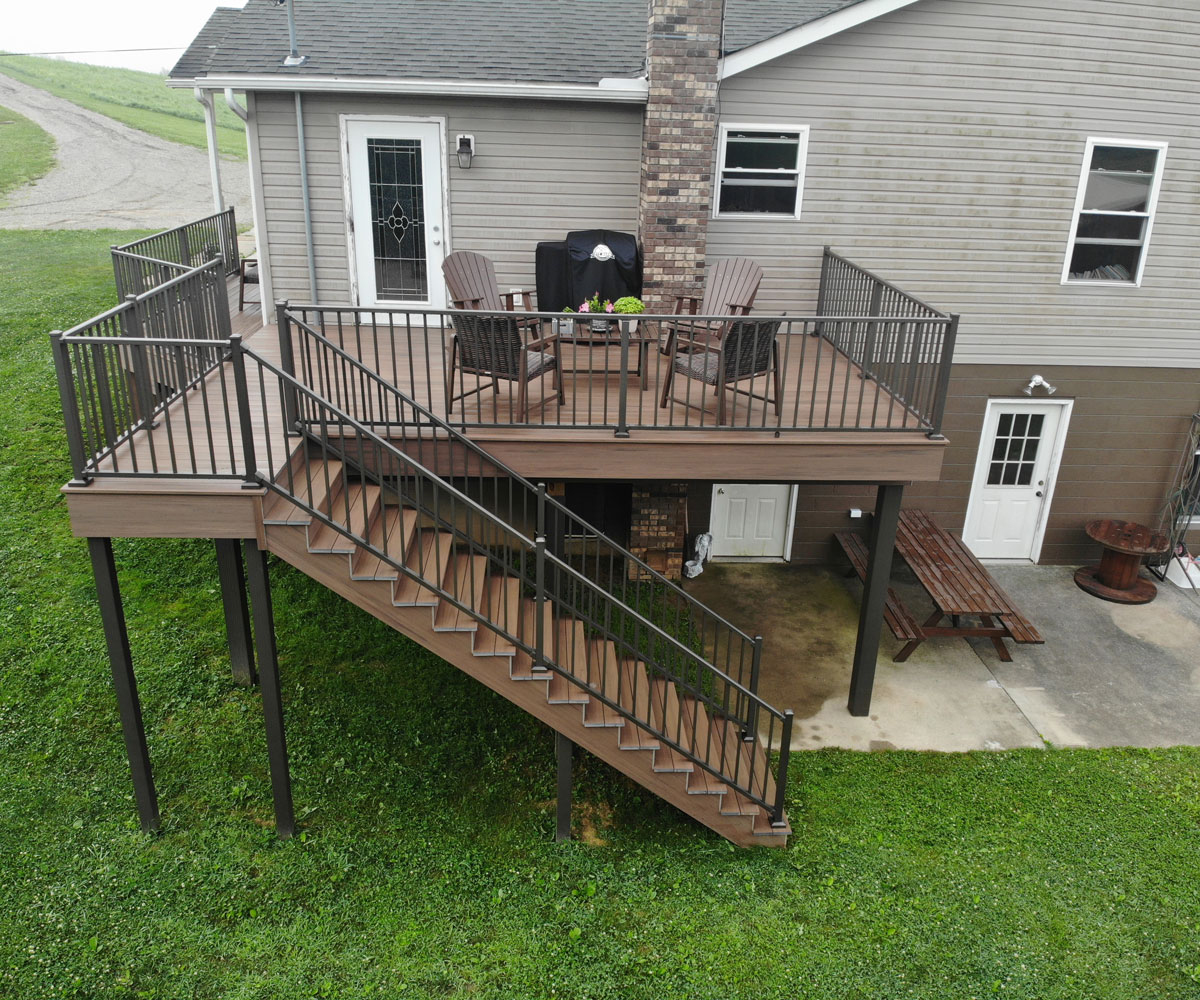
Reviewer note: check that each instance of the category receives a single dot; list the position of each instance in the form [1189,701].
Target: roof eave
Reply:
[806,34]
[609,90]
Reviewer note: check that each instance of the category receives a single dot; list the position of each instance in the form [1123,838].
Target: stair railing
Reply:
[378,403]
[465,557]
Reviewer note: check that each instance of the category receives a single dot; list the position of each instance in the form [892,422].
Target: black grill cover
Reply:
[618,276]
[553,277]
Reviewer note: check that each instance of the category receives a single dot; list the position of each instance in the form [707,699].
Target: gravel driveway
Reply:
[110,176]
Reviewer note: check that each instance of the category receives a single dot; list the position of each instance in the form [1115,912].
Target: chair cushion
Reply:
[539,363]
[703,366]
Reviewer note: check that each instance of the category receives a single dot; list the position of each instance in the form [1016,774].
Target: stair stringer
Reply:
[331,569]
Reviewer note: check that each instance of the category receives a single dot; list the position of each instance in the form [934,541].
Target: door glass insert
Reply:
[398,218]
[1015,450]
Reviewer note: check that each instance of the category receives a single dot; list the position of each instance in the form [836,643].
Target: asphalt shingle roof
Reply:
[542,41]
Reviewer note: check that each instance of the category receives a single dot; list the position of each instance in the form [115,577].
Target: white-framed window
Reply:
[1114,211]
[760,170]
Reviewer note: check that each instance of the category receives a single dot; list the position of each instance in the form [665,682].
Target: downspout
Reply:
[214,156]
[308,225]
[237,109]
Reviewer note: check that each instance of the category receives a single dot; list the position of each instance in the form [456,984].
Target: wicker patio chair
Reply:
[492,348]
[745,349]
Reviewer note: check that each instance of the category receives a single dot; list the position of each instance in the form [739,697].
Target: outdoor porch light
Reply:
[1036,381]
[466,150]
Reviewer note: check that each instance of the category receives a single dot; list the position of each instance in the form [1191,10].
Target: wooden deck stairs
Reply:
[568,699]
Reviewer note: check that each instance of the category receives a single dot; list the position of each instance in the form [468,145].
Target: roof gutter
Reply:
[612,90]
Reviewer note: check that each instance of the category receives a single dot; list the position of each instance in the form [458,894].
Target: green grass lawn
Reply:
[425,864]
[26,151]
[140,100]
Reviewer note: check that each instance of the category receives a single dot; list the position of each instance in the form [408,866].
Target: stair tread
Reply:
[698,737]
[752,765]
[665,716]
[428,557]
[466,577]
[325,537]
[503,602]
[603,675]
[568,650]
[635,699]
[391,533]
[310,482]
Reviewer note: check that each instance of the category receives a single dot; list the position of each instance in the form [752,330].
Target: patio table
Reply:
[960,587]
[641,336]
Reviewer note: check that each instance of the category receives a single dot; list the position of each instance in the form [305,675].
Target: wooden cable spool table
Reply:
[1125,545]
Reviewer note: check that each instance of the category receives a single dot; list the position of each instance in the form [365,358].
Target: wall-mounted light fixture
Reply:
[1036,381]
[466,150]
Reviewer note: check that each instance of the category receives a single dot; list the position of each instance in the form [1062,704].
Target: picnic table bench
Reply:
[958,583]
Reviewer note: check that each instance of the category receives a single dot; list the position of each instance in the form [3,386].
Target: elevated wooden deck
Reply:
[572,439]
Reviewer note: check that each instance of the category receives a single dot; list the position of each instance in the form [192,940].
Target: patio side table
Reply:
[1125,544]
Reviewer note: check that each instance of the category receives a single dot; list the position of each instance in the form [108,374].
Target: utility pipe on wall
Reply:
[214,155]
[308,225]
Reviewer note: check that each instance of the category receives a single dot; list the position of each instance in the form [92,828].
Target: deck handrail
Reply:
[198,241]
[813,382]
[559,589]
[739,647]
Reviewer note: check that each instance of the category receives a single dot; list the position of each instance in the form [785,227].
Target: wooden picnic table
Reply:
[958,584]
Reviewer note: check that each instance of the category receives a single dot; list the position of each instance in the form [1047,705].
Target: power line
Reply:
[86,52]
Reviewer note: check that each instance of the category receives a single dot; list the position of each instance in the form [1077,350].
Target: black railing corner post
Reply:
[623,396]
[943,379]
[822,288]
[185,249]
[539,573]
[781,779]
[287,361]
[237,355]
[751,732]
[70,405]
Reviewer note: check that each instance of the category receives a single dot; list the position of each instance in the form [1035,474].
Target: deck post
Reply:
[875,588]
[564,751]
[287,361]
[622,430]
[268,663]
[942,389]
[108,593]
[237,612]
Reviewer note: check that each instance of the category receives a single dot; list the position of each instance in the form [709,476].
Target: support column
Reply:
[268,663]
[112,614]
[870,618]
[564,750]
[237,611]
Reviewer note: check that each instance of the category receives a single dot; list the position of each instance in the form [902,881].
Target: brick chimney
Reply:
[678,143]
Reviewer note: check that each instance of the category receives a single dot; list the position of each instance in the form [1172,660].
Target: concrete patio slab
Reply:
[1107,676]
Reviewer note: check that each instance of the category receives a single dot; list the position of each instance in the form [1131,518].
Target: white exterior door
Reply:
[1014,473]
[752,521]
[395,190]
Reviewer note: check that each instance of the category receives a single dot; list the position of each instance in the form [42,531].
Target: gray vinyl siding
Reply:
[541,169]
[945,150]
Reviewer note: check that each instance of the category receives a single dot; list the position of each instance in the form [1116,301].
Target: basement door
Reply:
[1018,461]
[752,521]
[395,189]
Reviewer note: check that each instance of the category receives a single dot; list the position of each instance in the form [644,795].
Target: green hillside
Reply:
[26,151]
[140,100]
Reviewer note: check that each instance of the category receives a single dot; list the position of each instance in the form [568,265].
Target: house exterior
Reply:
[947,145]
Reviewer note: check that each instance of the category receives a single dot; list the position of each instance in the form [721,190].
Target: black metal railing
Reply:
[130,369]
[904,345]
[467,558]
[874,359]
[344,381]
[146,263]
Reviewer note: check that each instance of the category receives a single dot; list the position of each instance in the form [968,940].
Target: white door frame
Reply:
[983,458]
[789,534]
[347,193]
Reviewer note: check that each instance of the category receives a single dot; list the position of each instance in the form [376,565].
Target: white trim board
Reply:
[806,34]
[632,91]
